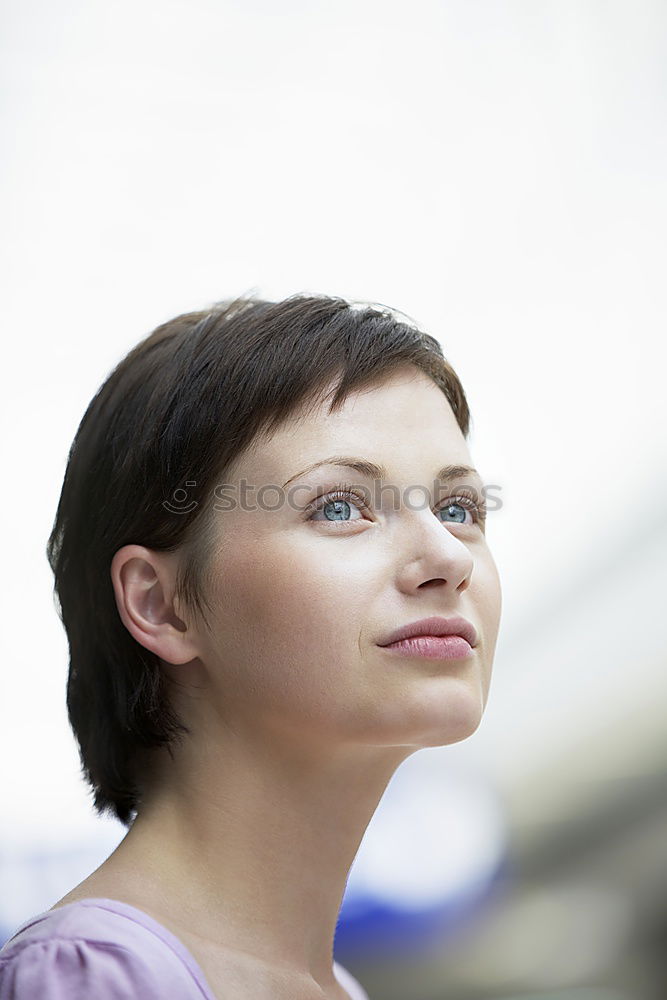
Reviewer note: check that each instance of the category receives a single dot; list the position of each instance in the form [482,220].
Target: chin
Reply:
[450,716]
[450,735]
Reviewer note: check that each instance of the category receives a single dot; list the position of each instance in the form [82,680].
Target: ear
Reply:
[144,585]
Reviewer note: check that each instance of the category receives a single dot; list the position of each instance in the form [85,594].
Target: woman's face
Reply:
[302,598]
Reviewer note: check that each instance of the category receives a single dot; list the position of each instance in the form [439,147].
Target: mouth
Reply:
[430,647]
[442,631]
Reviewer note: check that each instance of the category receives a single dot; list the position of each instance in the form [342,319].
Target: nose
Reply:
[430,555]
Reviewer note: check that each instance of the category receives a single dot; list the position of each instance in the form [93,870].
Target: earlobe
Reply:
[143,583]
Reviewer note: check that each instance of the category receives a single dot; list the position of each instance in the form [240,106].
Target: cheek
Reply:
[490,598]
[486,598]
[289,613]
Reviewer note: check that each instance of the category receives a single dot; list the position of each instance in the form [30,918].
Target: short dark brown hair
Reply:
[179,408]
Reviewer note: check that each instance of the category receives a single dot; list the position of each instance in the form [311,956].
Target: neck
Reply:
[251,848]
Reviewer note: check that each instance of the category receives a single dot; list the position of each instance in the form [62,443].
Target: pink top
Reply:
[108,950]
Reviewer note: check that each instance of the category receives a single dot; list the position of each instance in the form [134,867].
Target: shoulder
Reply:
[88,949]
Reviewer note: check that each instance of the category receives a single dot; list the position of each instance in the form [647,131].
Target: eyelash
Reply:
[346,492]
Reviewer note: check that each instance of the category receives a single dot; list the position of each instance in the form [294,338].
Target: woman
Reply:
[258,500]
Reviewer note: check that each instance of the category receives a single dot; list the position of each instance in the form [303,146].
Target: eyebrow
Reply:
[373,471]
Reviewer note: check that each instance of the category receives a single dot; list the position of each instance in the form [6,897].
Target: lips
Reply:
[434,626]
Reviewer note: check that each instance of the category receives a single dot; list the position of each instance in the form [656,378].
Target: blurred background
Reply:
[496,170]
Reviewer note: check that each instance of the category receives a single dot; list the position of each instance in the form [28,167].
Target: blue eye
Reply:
[477,509]
[340,502]
[337,507]
[450,504]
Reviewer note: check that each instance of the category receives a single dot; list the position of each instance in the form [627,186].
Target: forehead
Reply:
[404,423]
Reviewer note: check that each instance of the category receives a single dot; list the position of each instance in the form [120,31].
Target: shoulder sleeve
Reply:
[66,969]
[354,989]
